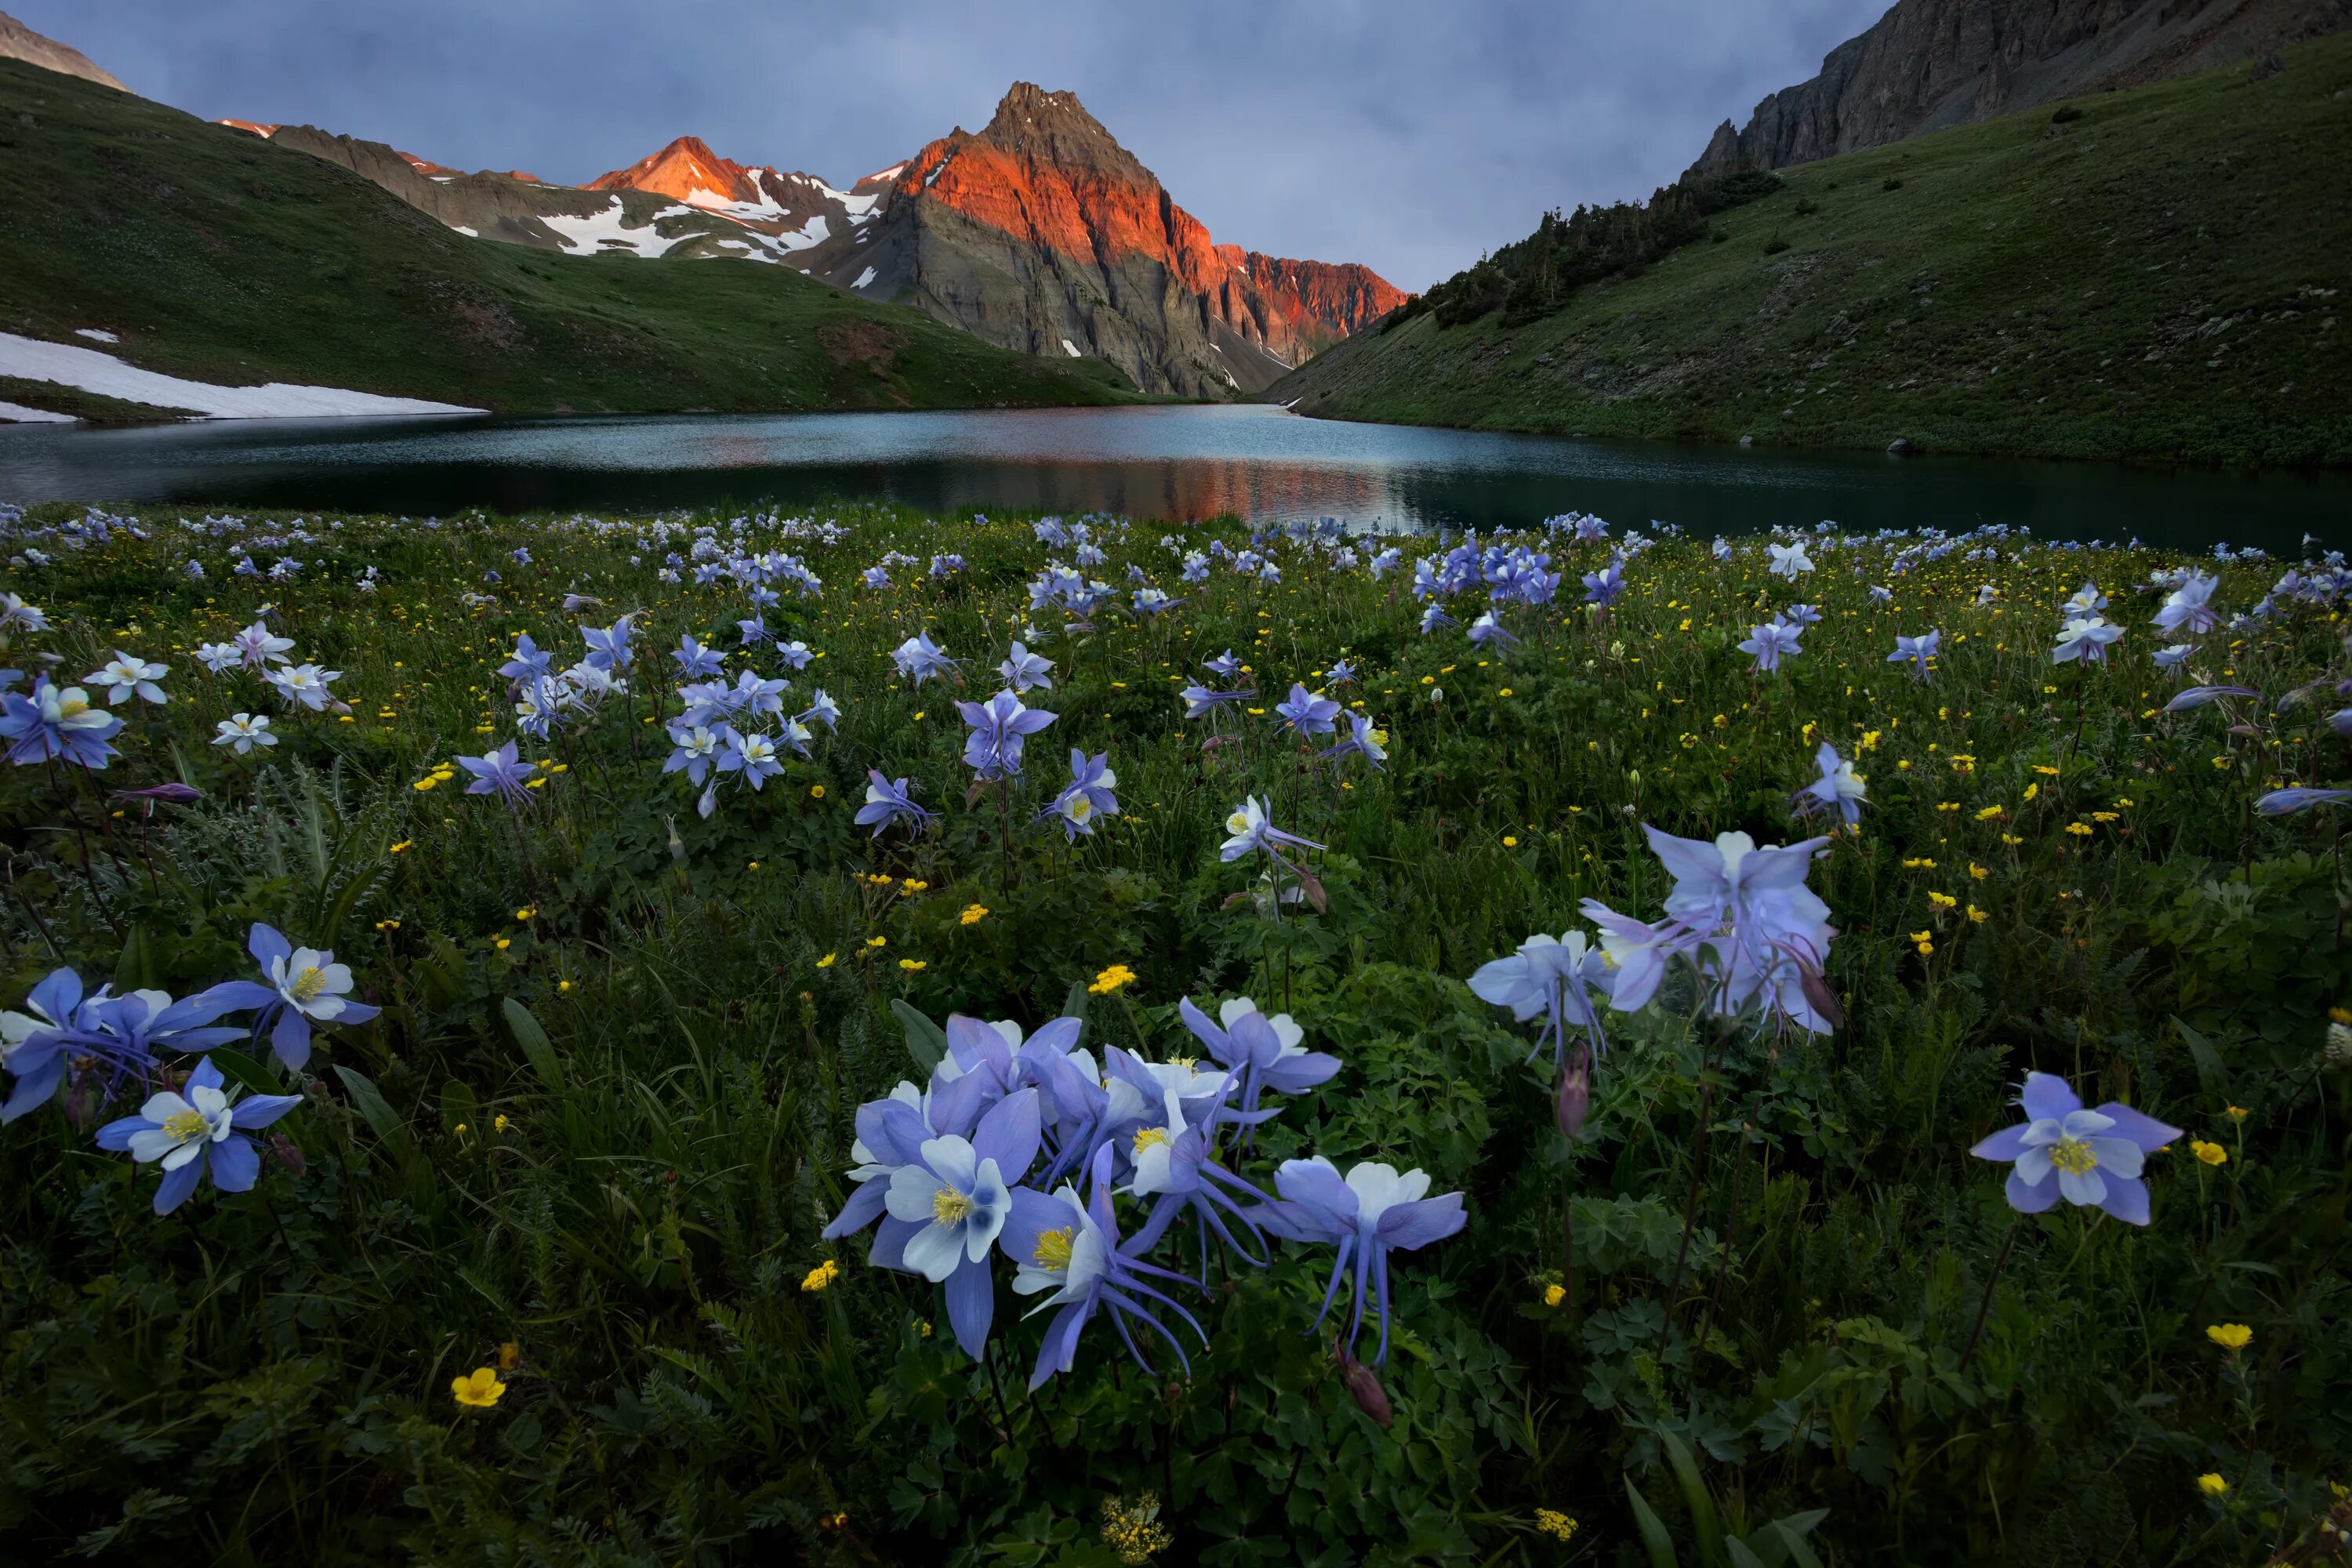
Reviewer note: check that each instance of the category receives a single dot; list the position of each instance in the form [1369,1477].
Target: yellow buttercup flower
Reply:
[826,961]
[2230,1336]
[1554,1295]
[2210,1153]
[823,1275]
[2212,1484]
[479,1389]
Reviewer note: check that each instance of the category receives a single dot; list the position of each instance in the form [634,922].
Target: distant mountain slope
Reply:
[216,257]
[1040,234]
[1929,64]
[2156,273]
[18,42]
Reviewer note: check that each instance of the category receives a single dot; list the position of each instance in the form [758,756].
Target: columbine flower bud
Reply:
[287,1155]
[1575,1099]
[1365,1388]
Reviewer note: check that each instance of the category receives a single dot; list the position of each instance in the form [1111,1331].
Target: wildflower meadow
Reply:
[872,1038]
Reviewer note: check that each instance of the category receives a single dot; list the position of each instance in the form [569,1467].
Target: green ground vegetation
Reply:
[592,1140]
[2152,274]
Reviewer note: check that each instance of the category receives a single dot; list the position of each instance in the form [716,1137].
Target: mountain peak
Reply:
[686,170]
[18,42]
[1055,128]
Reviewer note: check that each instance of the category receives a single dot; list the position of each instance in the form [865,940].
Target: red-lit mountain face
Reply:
[1039,232]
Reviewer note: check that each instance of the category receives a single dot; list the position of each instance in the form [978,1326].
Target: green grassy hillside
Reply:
[2156,278]
[218,257]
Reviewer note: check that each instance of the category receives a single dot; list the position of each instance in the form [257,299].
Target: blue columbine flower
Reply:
[1024,672]
[1305,714]
[1000,727]
[1916,651]
[1556,976]
[1372,1212]
[696,660]
[1072,1248]
[1265,1052]
[203,1130]
[1486,628]
[887,801]
[1839,788]
[1434,617]
[528,662]
[608,646]
[695,749]
[753,756]
[2084,1156]
[944,1210]
[301,986]
[1250,830]
[919,659]
[501,772]
[1743,915]
[1770,643]
[2299,797]
[1200,702]
[795,654]
[54,723]
[1086,796]
[1224,667]
[1362,741]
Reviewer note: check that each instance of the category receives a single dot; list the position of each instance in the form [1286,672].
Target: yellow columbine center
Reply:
[74,707]
[1052,1249]
[1149,1138]
[306,985]
[1081,808]
[948,1207]
[1237,823]
[186,1126]
[2072,1156]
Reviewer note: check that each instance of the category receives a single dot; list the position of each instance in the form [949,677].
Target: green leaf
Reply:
[926,1041]
[536,1047]
[1654,1538]
[1696,1496]
[238,1067]
[378,1113]
[1741,1557]
[2209,1071]
[1073,1005]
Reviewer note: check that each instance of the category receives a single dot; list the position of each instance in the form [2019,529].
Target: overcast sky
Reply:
[1404,134]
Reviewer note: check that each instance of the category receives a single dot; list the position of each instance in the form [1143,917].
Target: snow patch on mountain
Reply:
[67,364]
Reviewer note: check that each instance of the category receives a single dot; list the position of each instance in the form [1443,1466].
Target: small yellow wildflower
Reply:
[1509,842]
[823,1275]
[525,913]
[973,914]
[1134,1531]
[913,965]
[509,1355]
[1942,901]
[1923,940]
[479,1389]
[2230,1336]
[1554,1295]
[816,792]
[2212,1484]
[878,941]
[1111,981]
[2209,1153]
[1556,1524]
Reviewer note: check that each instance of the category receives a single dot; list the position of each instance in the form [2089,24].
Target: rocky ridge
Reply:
[1929,64]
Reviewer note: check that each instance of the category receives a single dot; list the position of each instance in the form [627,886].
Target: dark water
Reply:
[1182,463]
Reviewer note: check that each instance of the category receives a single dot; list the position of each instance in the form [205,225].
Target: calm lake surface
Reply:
[1181,463]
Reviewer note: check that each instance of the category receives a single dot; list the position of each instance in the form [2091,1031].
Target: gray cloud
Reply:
[1408,136]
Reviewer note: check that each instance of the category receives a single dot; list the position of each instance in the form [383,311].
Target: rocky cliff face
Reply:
[18,42]
[1321,301]
[1927,64]
[1039,232]
[1042,233]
